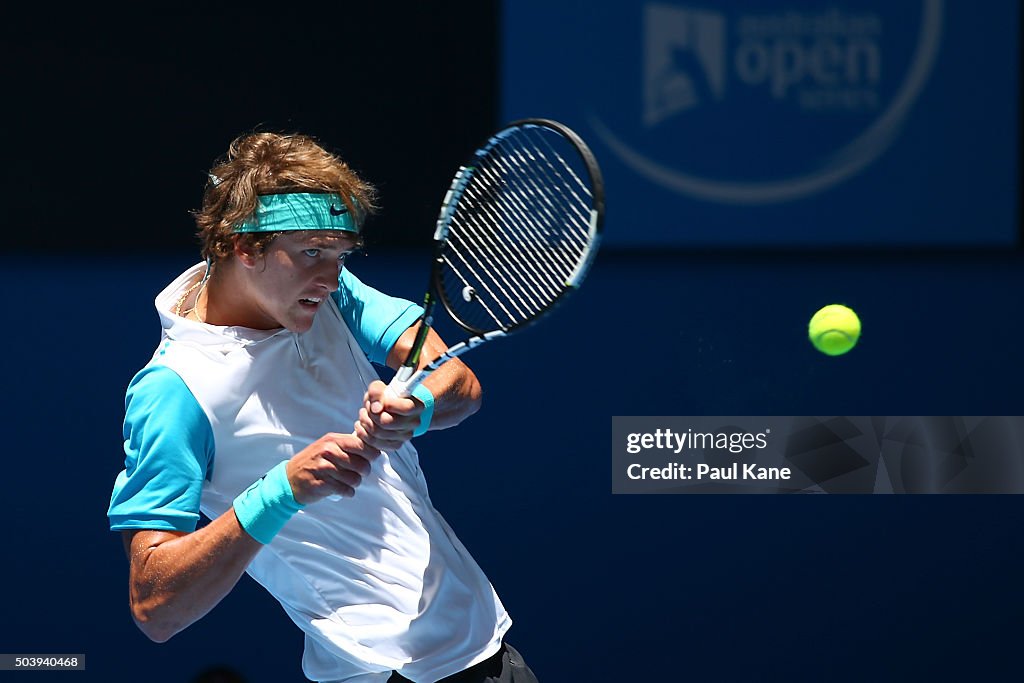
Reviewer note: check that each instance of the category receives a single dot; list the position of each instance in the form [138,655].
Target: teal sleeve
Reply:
[375,319]
[168,446]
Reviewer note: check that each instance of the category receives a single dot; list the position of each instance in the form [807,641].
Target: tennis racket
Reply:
[517,232]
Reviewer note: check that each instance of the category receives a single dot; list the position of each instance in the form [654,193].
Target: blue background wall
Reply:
[600,587]
[782,122]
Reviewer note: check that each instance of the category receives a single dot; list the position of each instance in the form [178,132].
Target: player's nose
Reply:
[327,275]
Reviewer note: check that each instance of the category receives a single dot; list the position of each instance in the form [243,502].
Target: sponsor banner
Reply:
[782,123]
[838,454]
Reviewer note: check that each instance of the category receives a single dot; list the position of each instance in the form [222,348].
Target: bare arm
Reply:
[175,578]
[456,390]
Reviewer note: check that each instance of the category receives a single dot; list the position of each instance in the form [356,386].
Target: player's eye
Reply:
[312,253]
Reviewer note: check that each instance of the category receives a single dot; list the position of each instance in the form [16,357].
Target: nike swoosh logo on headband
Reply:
[338,212]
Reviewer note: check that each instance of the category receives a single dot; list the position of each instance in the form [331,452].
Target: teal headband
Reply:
[300,211]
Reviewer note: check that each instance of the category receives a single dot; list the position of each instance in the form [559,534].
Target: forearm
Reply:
[455,388]
[176,579]
[457,394]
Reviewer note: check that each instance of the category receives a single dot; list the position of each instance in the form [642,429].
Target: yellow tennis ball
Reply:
[834,329]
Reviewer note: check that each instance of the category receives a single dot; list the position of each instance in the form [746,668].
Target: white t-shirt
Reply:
[378,582]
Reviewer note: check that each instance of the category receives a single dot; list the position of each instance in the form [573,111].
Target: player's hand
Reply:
[334,464]
[387,421]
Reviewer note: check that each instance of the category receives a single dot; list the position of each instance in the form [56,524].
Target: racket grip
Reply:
[402,383]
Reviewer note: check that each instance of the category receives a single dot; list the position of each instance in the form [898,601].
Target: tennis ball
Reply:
[834,329]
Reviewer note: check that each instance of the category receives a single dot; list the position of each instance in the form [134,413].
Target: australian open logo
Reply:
[772,103]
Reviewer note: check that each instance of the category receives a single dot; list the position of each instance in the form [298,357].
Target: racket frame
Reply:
[408,377]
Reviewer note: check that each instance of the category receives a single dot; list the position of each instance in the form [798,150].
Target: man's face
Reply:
[294,277]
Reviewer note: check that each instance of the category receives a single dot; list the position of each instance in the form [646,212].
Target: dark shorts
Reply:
[505,666]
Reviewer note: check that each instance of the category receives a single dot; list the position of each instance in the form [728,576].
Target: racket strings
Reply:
[466,274]
[490,206]
[498,278]
[515,254]
[581,193]
[505,276]
[536,195]
[472,235]
[535,206]
[517,233]
[538,212]
[547,203]
[575,196]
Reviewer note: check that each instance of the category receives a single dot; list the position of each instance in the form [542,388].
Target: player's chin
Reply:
[301,318]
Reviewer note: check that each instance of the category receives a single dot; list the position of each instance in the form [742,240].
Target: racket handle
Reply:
[403,382]
[401,385]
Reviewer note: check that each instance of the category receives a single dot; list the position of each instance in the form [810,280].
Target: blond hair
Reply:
[265,163]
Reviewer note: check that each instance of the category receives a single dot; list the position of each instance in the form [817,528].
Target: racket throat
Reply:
[461,348]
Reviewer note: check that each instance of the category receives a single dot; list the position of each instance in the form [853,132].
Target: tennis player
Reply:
[261,410]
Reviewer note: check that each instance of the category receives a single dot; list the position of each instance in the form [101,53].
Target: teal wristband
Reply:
[423,394]
[266,506]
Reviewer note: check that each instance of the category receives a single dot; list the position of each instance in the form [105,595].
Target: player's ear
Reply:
[245,250]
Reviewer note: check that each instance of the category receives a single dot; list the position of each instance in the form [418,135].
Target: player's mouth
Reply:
[310,303]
